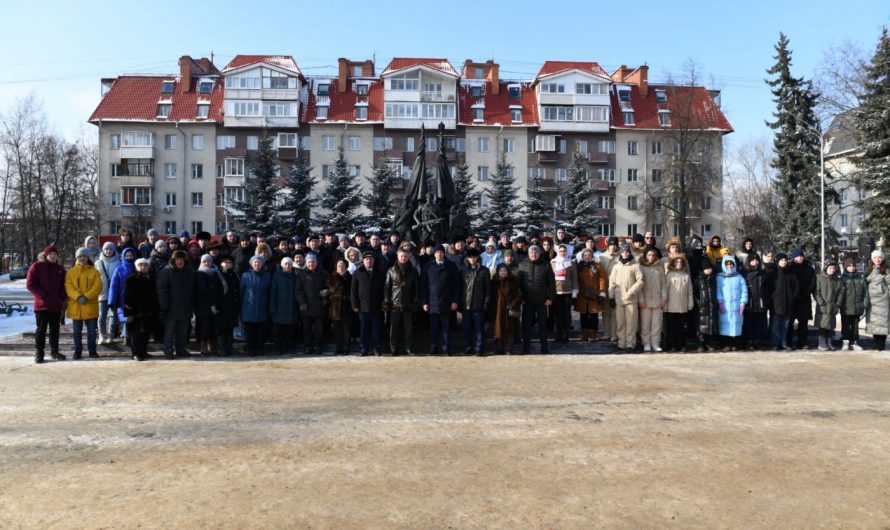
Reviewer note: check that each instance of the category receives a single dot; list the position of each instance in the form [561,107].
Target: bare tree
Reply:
[751,200]
[839,79]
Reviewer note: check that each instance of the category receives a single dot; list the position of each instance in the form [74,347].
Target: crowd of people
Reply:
[371,293]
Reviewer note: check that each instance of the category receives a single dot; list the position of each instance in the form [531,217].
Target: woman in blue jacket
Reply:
[732,295]
[116,291]
[255,285]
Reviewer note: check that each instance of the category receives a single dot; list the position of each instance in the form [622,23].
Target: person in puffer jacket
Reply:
[625,283]
[705,294]
[828,288]
[732,295]
[755,327]
[852,302]
[83,286]
[108,262]
[116,291]
[652,300]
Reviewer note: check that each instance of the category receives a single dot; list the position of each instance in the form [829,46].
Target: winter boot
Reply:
[205,347]
[38,357]
[58,356]
[823,346]
[221,345]
[846,345]
[854,345]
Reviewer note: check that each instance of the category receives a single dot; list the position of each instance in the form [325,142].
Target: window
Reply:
[409,81]
[233,195]
[591,114]
[243,108]
[402,110]
[408,144]
[862,195]
[664,119]
[516,115]
[136,196]
[657,204]
[253,143]
[628,118]
[560,174]
[167,87]
[658,230]
[324,89]
[279,109]
[437,110]
[483,201]
[115,170]
[234,167]
[355,171]
[845,196]
[509,145]
[327,142]
[137,139]
[706,231]
[321,112]
[562,146]
[482,144]
[115,198]
[249,82]
[676,148]
[460,145]
[170,141]
[432,87]
[305,142]
[219,171]
[115,141]
[287,140]
[624,94]
[657,175]
[164,110]
[605,174]
[706,203]
[482,173]
[606,146]
[476,91]
[844,220]
[632,147]
[197,226]
[197,171]
[205,87]
[432,144]
[607,229]
[383,143]
[560,202]
[478,114]
[169,227]
[632,228]
[327,170]
[582,147]
[536,172]
[361,113]
[140,168]
[661,96]
[553,113]
[197,199]
[169,199]
[225,141]
[553,88]
[219,200]
[361,89]
[354,143]
[545,142]
[203,111]
[514,91]
[170,171]
[607,202]
[656,148]
[631,175]
[197,142]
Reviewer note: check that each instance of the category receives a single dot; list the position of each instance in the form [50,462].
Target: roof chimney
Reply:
[185,74]
[494,75]
[640,77]
[621,74]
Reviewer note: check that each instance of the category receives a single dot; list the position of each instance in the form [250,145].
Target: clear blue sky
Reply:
[60,49]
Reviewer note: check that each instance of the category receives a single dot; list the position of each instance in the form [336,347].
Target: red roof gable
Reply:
[497,107]
[136,98]
[342,104]
[705,113]
[281,61]
[400,63]
[555,67]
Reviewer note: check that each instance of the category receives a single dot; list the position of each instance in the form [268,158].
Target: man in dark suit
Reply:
[367,301]
[439,294]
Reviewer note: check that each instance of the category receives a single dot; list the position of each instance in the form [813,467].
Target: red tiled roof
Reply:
[705,113]
[555,67]
[342,104]
[135,98]
[281,61]
[400,63]
[497,107]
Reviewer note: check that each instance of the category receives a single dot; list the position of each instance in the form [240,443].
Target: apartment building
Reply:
[845,218]
[210,123]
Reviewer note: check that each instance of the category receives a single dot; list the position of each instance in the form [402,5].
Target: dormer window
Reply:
[661,96]
[164,110]
[664,119]
[205,87]
[321,113]
[516,115]
[361,90]
[167,87]
[624,95]
[628,118]
[324,89]
[409,81]
[358,71]
[513,91]
[480,73]
[478,114]
[476,91]
[203,111]
[361,113]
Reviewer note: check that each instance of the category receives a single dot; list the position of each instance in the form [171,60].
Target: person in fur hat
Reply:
[679,302]
[46,281]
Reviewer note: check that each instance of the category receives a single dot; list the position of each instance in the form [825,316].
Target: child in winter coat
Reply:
[732,295]
[653,300]
[828,287]
[625,283]
[106,265]
[679,302]
[852,302]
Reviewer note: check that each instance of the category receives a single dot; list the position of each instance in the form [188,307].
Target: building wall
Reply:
[495,137]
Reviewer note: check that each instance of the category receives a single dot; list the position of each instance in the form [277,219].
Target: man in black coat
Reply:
[806,286]
[176,302]
[140,308]
[367,301]
[229,306]
[241,255]
[401,297]
[439,294]
[473,303]
[311,281]
[538,286]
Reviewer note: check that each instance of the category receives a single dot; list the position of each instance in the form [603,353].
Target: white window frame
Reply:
[233,167]
[482,144]
[197,171]
[225,141]
[169,170]
[197,142]
[253,143]
[633,175]
[354,143]
[327,143]
[321,112]
[287,140]
[633,147]
[482,174]
[560,174]
[170,199]
[197,199]
[170,142]
[509,145]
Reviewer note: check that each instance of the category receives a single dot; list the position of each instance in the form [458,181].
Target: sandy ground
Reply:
[761,440]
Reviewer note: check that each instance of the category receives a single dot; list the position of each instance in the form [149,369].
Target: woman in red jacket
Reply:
[46,281]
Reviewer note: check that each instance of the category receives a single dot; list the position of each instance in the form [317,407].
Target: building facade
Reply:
[175,150]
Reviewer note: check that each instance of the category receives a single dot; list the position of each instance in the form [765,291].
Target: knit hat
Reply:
[109,244]
[490,244]
[625,248]
[637,238]
[612,241]
[285,260]
[876,253]
[508,253]
[438,247]
[140,261]
[160,243]
[49,249]
[193,243]
[472,253]
[780,256]
[534,248]
[261,259]
[82,251]
[184,233]
[796,252]
[751,257]
[152,232]
[312,257]
[206,257]
[829,262]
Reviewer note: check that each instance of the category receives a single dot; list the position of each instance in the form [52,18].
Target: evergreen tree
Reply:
[797,144]
[257,211]
[871,121]
[579,216]
[379,201]
[465,190]
[535,207]
[500,215]
[341,199]
[294,213]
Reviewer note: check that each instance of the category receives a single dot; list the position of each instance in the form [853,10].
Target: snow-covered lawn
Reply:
[17,323]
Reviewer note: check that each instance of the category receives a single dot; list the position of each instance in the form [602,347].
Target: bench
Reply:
[9,308]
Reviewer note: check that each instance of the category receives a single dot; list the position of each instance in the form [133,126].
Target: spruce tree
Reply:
[341,199]
[578,197]
[535,207]
[797,144]
[379,200]
[871,122]
[500,215]
[465,190]
[257,211]
[294,212]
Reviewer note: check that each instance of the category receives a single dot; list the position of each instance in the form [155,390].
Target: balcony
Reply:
[548,157]
[141,151]
[137,210]
[230,181]
[287,153]
[599,185]
[436,96]
[597,158]
[146,181]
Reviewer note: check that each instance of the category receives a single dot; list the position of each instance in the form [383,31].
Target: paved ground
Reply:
[565,441]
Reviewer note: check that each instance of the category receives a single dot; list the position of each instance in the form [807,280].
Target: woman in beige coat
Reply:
[653,299]
[625,283]
[679,302]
